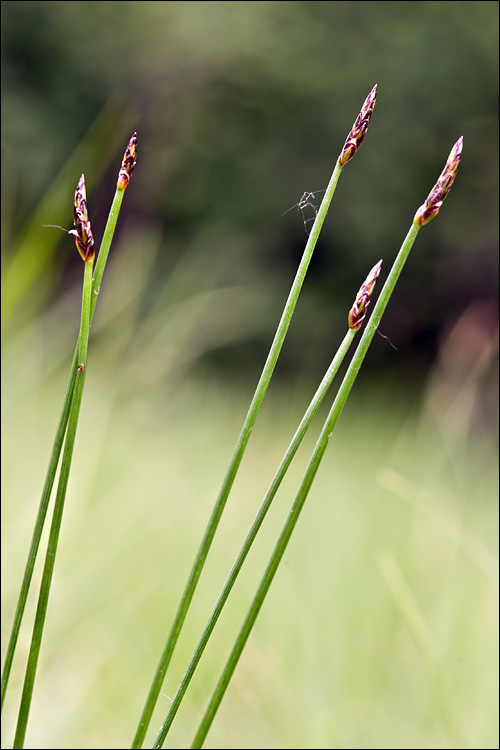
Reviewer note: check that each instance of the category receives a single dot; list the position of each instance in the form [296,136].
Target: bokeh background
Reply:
[381,627]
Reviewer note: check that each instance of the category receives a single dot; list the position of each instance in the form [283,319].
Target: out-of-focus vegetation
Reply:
[240,107]
[338,657]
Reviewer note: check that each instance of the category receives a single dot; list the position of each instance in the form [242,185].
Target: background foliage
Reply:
[240,107]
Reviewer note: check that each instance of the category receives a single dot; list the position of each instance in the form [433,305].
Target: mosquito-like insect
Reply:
[303,204]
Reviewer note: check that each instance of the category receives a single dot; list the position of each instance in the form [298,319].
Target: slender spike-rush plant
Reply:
[355,321]
[85,244]
[424,214]
[352,144]
[66,431]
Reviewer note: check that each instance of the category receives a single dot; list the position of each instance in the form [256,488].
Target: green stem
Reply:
[305,486]
[43,598]
[56,450]
[105,246]
[249,539]
[83,338]
[234,463]
[37,532]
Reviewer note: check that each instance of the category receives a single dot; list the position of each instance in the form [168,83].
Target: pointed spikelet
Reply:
[358,131]
[128,163]
[83,231]
[357,312]
[430,208]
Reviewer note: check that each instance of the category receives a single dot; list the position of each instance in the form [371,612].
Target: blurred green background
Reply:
[381,627]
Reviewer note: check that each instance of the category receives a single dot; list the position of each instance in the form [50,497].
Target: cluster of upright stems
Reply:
[358,311]
[85,244]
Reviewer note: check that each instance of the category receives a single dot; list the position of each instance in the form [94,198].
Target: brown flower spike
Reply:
[82,231]
[358,131]
[128,163]
[357,312]
[431,207]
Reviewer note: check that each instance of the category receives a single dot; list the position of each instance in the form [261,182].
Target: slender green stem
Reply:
[234,463]
[83,338]
[107,239]
[43,599]
[249,539]
[304,488]
[37,532]
[56,450]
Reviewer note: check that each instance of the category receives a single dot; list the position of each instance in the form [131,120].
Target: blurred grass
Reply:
[28,276]
[334,660]
[240,107]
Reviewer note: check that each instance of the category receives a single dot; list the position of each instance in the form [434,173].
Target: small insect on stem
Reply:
[304,203]
[81,368]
